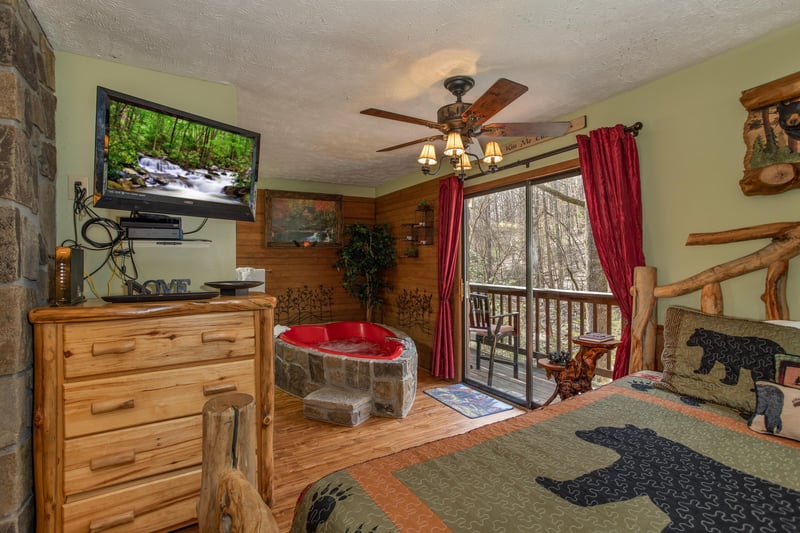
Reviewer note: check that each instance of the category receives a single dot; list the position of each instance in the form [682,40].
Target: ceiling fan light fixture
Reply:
[462,163]
[492,153]
[454,146]
[428,155]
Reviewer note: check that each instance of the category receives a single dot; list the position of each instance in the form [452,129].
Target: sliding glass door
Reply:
[532,282]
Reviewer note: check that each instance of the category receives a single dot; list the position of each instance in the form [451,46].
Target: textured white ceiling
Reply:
[305,68]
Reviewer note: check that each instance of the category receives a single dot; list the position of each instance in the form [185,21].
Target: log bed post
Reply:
[643,320]
[774,257]
[229,468]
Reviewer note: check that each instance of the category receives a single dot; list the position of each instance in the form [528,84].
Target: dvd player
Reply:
[152,227]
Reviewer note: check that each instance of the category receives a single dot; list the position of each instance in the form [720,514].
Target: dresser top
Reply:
[94,310]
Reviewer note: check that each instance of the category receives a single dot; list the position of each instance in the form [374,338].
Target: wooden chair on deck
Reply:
[489,328]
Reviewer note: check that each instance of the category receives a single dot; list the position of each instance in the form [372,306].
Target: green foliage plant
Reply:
[368,251]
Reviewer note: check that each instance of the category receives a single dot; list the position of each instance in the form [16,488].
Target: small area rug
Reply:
[468,401]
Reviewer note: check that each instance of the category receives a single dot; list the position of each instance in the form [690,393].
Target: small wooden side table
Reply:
[576,376]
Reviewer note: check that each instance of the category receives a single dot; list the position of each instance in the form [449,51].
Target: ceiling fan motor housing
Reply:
[450,114]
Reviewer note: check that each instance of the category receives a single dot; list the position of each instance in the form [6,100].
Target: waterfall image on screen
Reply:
[150,157]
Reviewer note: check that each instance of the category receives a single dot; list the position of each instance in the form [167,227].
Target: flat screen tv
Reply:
[152,159]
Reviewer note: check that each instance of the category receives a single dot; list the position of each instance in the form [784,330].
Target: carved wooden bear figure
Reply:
[735,353]
[695,491]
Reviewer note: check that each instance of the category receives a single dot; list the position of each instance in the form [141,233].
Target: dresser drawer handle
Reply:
[218,336]
[111,405]
[210,390]
[115,459]
[101,524]
[113,347]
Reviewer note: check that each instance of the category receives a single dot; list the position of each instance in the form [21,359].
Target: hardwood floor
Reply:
[306,450]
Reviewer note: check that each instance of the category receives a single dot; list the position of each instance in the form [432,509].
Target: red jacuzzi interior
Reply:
[351,339]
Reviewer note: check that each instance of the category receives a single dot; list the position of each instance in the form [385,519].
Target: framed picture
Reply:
[772,137]
[303,220]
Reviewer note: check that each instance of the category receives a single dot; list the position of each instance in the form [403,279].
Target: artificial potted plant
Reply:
[367,252]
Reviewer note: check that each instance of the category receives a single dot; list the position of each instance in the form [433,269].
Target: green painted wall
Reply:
[691,155]
[690,149]
[77,78]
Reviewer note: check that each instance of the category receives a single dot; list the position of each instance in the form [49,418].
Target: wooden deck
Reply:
[504,381]
[306,450]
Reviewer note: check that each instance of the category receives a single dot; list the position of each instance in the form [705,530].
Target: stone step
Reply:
[337,406]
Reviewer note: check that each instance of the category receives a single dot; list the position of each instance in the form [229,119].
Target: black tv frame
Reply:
[136,202]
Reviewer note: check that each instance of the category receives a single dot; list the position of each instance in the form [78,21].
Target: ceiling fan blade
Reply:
[499,95]
[409,143]
[525,129]
[402,118]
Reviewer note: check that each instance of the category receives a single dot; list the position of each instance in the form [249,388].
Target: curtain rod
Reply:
[633,129]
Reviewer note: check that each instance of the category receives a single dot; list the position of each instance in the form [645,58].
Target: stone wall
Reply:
[27,238]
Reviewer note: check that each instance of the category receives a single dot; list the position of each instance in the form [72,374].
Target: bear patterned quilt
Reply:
[627,456]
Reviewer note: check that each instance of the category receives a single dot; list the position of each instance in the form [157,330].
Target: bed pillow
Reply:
[777,410]
[787,370]
[718,359]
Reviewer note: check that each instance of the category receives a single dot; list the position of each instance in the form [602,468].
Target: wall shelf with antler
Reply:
[774,257]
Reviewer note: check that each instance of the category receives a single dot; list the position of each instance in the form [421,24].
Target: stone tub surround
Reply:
[392,384]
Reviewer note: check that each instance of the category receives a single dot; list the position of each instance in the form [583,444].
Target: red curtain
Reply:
[610,166]
[451,203]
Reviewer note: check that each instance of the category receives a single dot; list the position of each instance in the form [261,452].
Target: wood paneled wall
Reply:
[293,268]
[412,273]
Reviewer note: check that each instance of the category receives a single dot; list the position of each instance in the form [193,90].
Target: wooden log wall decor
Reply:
[772,136]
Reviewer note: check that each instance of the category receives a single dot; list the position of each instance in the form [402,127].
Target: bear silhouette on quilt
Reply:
[696,492]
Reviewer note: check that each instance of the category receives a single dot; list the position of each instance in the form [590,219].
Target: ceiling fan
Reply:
[460,122]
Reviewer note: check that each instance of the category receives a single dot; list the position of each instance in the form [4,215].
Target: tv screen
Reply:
[150,158]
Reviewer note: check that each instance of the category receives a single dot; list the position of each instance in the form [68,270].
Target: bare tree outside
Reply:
[570,291]
[564,253]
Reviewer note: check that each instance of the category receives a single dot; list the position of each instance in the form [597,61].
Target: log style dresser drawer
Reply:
[119,391]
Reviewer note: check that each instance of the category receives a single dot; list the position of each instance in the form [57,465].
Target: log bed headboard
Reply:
[774,257]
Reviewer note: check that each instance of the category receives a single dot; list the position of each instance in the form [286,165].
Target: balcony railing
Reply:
[556,317]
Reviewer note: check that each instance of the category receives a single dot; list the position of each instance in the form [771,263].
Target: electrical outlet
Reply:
[71,181]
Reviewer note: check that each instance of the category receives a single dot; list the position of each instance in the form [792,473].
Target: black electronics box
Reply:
[152,227]
[68,283]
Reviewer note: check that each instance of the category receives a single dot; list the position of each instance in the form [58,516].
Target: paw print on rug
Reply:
[322,504]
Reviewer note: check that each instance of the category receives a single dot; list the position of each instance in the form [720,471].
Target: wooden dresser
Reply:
[119,391]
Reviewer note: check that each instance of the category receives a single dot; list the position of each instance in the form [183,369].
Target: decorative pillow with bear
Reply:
[777,410]
[787,370]
[719,359]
